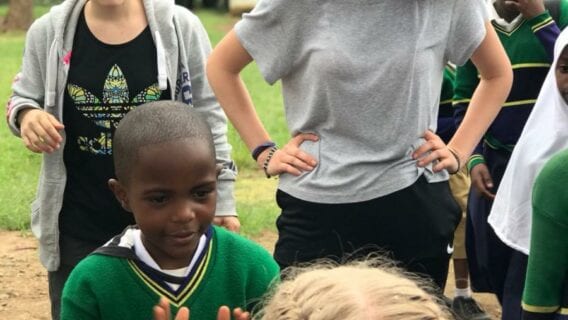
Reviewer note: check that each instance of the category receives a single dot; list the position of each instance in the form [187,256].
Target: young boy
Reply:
[527,32]
[85,65]
[166,177]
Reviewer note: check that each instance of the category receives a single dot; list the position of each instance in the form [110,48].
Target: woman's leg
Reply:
[414,226]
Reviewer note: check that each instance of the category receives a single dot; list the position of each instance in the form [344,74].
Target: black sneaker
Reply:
[467,309]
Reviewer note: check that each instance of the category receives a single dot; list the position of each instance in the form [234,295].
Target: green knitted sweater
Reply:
[546,288]
[112,283]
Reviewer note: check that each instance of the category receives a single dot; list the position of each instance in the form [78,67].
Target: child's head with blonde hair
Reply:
[363,290]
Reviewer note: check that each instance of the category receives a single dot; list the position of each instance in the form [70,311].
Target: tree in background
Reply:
[19,16]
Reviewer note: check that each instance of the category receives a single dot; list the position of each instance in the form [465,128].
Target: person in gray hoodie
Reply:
[85,65]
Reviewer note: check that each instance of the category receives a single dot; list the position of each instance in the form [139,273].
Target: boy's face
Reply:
[562,74]
[171,190]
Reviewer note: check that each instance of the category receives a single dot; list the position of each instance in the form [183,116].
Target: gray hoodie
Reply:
[182,48]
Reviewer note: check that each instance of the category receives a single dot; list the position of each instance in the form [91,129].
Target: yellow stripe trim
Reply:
[448,101]
[506,104]
[518,103]
[490,145]
[196,282]
[461,101]
[451,69]
[193,284]
[541,24]
[539,309]
[149,282]
[535,30]
[500,29]
[563,311]
[531,65]
[527,65]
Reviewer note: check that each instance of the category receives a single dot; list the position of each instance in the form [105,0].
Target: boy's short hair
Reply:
[370,289]
[153,123]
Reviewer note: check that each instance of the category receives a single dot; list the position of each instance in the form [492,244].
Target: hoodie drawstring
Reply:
[51,75]
[161,53]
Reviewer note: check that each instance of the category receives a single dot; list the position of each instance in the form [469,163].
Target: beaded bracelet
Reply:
[260,148]
[455,154]
[267,160]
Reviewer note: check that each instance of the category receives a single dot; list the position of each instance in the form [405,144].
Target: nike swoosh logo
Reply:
[450,249]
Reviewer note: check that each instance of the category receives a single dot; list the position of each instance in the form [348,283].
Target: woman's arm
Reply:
[226,62]
[39,130]
[496,78]
[224,65]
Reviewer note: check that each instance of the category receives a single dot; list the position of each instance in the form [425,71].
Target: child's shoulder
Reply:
[238,244]
[92,266]
[244,255]
[96,261]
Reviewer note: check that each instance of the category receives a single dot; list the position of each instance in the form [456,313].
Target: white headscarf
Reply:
[544,134]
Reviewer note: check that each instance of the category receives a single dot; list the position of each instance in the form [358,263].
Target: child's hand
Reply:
[435,149]
[225,314]
[482,181]
[528,8]
[162,312]
[39,130]
[230,223]
[290,159]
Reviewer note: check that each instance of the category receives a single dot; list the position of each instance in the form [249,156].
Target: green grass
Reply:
[255,194]
[19,168]
[267,99]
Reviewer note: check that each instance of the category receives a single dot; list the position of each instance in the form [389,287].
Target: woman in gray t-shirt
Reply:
[361,83]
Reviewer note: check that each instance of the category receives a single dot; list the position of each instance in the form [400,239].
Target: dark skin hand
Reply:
[510,9]
[481,180]
[162,312]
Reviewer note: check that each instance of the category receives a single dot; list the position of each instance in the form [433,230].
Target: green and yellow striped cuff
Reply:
[539,309]
[540,21]
[474,160]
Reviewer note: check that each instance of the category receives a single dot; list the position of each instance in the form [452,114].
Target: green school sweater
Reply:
[112,283]
[525,46]
[545,294]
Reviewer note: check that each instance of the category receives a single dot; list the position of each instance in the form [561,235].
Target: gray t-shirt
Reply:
[365,76]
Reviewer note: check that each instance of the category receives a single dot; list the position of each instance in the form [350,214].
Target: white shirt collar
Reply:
[145,257]
[493,15]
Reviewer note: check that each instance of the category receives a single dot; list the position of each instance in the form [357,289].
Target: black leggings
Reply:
[414,226]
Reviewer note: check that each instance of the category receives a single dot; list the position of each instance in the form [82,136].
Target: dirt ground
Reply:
[23,281]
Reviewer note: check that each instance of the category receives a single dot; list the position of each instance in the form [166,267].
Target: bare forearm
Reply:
[496,79]
[223,69]
[237,104]
[485,104]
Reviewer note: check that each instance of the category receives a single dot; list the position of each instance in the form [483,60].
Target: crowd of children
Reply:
[126,232]
[527,32]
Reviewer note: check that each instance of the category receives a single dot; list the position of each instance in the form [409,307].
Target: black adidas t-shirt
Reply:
[104,83]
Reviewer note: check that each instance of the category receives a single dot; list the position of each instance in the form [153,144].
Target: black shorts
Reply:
[414,226]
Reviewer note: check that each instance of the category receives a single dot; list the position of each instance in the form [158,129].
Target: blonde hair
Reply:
[363,290]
